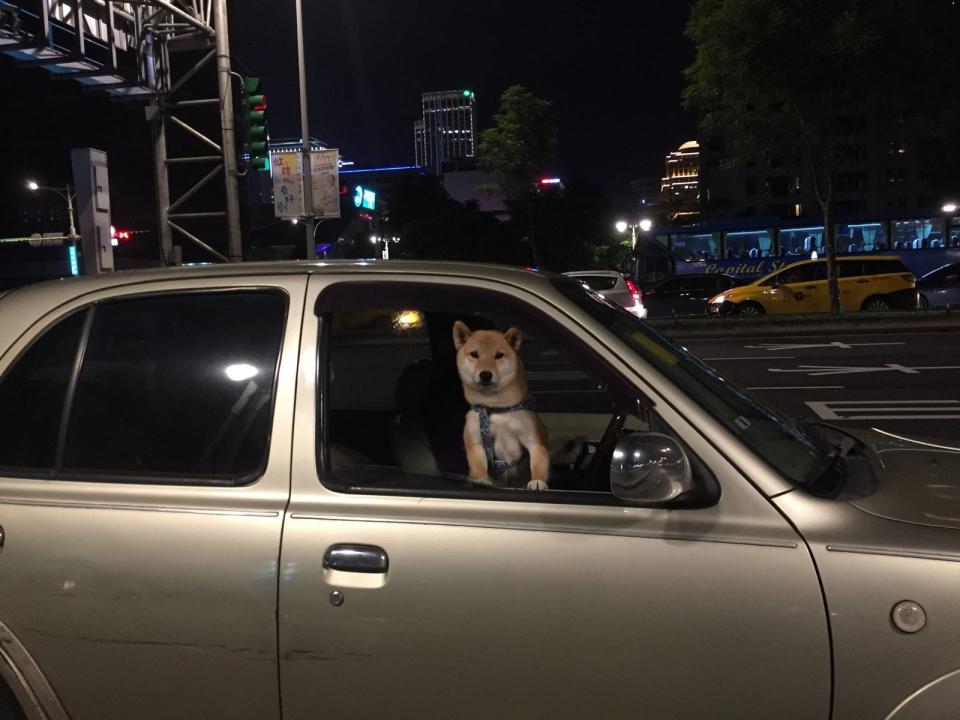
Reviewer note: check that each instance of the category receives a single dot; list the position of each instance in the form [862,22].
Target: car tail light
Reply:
[634,290]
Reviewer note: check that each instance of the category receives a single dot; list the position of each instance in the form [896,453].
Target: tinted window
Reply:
[883,267]
[700,285]
[801,273]
[598,282]
[32,394]
[668,286]
[178,386]
[853,268]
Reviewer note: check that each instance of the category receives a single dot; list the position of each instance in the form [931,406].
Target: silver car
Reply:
[614,286]
[239,492]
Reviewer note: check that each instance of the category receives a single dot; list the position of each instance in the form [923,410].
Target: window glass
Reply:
[917,234]
[853,268]
[396,407]
[598,282]
[801,241]
[32,393]
[753,244]
[862,237]
[178,387]
[669,286]
[696,247]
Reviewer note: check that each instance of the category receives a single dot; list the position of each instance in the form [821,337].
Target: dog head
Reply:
[487,360]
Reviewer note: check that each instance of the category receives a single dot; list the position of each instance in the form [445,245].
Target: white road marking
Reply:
[799,387]
[886,409]
[917,442]
[821,370]
[773,347]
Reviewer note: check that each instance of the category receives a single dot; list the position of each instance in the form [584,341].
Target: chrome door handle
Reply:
[3,537]
[356,558]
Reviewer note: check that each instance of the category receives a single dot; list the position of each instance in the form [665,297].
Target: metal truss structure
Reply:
[147,50]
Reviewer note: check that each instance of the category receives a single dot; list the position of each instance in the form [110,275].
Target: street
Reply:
[904,383]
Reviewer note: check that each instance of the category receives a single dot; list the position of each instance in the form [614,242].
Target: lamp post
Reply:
[377,239]
[644,225]
[67,195]
[949,210]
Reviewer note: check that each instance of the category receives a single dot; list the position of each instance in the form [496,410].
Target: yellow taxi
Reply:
[866,283]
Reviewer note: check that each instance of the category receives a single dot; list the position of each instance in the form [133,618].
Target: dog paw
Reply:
[484,480]
[537,485]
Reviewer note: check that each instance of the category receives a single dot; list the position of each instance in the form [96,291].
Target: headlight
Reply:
[718,299]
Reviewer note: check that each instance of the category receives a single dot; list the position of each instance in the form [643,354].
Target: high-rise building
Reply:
[447,132]
[681,182]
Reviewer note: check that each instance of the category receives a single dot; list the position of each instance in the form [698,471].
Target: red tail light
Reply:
[634,290]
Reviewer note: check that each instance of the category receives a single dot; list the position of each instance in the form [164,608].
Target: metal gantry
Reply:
[147,50]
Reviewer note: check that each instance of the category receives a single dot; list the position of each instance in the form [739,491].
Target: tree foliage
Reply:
[781,77]
[521,144]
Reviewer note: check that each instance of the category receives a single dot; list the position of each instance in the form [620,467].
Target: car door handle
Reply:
[356,558]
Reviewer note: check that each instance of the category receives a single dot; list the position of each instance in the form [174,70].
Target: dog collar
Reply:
[497,467]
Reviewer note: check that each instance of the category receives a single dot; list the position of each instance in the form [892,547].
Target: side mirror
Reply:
[649,468]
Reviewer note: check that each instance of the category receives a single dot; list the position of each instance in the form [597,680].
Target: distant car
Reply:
[685,294]
[615,287]
[872,284]
[940,287]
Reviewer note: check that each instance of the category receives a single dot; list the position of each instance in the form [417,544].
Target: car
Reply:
[240,491]
[685,294]
[615,286]
[940,287]
[875,283]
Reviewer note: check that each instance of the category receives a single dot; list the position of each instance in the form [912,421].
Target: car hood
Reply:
[920,479]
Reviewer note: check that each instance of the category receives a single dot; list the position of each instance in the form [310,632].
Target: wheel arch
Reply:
[938,698]
[23,676]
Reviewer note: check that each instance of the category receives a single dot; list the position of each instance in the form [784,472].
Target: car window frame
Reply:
[644,403]
[103,477]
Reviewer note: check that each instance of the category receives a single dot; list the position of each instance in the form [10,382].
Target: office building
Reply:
[680,186]
[446,136]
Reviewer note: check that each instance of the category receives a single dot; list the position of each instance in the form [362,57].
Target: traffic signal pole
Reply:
[307,166]
[228,142]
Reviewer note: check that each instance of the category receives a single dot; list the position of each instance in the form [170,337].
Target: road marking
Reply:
[773,347]
[755,357]
[821,370]
[799,387]
[886,409]
[917,442]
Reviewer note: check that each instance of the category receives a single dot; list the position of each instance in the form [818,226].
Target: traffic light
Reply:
[255,137]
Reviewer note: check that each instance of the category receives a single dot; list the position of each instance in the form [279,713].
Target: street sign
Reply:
[286,169]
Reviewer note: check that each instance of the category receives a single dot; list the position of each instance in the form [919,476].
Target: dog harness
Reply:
[495,466]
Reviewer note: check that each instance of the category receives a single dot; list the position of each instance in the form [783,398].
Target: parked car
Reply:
[873,284]
[615,286]
[940,287]
[685,294]
[227,490]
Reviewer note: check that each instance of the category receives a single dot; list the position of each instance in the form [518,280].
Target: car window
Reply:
[855,268]
[798,273]
[177,388]
[32,392]
[884,267]
[598,282]
[725,283]
[699,285]
[394,407]
[672,285]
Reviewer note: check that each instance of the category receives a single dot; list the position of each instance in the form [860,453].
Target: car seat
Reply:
[409,442]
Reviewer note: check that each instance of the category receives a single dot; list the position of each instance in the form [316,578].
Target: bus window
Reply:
[801,241]
[695,247]
[751,244]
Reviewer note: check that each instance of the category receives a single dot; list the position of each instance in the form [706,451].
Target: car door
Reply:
[145,469]
[664,297]
[405,594]
[694,295]
[855,287]
[801,289]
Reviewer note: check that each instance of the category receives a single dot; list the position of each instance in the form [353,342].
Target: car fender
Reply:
[24,677]
[938,699]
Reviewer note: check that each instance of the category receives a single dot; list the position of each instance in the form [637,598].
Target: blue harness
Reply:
[494,466]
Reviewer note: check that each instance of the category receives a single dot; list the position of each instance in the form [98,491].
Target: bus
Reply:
[751,248]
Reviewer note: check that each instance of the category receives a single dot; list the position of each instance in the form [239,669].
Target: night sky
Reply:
[613,72]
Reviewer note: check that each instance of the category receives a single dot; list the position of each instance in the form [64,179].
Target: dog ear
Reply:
[514,338]
[460,334]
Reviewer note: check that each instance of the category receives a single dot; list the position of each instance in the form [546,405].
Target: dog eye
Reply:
[475,354]
[498,356]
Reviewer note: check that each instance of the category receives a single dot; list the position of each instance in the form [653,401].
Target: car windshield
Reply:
[796,452]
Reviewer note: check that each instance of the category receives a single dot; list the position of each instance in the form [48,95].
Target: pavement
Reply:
[898,382]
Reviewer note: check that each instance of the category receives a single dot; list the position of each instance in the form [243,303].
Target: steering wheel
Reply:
[599,472]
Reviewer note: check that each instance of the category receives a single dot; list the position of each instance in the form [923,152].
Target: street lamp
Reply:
[377,239]
[644,225]
[67,195]
[950,208]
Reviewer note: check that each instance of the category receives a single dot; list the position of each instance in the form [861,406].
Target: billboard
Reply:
[286,170]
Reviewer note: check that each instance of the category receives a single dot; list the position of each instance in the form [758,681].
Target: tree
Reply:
[519,146]
[808,76]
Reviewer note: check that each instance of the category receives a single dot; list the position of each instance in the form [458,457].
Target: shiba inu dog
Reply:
[502,429]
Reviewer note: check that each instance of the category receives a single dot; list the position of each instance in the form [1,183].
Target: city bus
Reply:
[750,248]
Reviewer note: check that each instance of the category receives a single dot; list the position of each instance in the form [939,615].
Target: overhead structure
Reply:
[163,53]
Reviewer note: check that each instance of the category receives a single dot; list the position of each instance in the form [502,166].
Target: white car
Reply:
[615,287]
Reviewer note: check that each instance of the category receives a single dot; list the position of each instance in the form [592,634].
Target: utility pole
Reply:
[307,166]
[224,82]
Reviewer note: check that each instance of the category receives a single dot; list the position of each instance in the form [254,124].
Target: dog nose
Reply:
[485,377]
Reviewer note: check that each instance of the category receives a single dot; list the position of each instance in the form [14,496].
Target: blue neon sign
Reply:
[72,259]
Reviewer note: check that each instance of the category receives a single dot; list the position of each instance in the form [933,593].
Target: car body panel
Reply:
[941,287]
[132,581]
[685,294]
[613,286]
[558,607]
